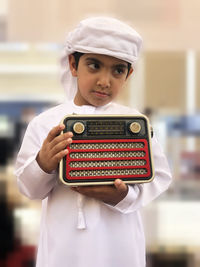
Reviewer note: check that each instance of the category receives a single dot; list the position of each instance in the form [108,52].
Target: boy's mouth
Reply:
[101,94]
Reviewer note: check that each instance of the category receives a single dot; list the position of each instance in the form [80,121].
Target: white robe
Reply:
[113,235]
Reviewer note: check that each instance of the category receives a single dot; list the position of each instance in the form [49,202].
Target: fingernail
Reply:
[62,126]
[66,151]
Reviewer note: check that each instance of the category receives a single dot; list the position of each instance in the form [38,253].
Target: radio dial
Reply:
[135,127]
[78,127]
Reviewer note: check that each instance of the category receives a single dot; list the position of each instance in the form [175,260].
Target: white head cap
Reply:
[99,35]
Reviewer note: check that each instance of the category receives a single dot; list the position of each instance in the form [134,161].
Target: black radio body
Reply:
[107,147]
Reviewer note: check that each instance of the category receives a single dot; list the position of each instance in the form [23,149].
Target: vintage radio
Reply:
[105,148]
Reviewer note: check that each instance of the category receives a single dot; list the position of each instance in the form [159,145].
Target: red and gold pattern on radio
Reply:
[107,147]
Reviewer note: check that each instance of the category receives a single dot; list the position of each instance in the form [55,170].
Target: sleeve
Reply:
[140,195]
[32,181]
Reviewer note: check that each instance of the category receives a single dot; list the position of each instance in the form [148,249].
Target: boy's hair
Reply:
[77,56]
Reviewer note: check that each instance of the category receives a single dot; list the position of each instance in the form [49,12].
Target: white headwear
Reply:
[99,35]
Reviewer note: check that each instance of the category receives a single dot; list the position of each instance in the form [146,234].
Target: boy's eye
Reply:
[119,71]
[93,66]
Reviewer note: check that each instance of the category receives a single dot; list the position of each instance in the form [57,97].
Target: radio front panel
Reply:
[105,148]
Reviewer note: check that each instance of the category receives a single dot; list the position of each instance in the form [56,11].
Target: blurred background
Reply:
[165,86]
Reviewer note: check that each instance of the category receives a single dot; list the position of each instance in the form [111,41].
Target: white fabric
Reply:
[99,35]
[110,235]
[81,224]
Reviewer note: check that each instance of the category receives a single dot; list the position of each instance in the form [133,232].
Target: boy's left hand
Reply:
[110,194]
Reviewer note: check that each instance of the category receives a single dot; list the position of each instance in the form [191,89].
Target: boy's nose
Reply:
[104,81]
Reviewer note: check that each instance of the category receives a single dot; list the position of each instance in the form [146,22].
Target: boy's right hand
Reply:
[54,148]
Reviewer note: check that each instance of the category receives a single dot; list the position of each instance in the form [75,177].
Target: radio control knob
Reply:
[78,127]
[135,127]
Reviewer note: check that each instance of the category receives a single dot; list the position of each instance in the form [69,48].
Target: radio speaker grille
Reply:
[107,158]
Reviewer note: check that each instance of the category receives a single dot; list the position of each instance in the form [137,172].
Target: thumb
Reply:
[120,185]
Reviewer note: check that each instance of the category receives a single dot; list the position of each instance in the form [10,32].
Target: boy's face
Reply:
[99,77]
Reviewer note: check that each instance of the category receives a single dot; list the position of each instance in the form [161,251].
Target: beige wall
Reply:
[47,20]
[165,81]
[163,24]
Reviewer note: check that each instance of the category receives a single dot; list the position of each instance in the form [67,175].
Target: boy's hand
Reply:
[110,194]
[53,149]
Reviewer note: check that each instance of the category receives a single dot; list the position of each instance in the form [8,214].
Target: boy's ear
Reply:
[129,73]
[72,65]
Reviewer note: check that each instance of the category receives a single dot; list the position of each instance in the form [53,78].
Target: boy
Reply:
[94,225]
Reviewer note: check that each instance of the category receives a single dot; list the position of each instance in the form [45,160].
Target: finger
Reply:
[89,191]
[54,132]
[60,146]
[57,157]
[120,185]
[98,192]
[66,137]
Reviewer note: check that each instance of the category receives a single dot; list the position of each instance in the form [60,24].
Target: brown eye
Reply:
[119,71]
[93,66]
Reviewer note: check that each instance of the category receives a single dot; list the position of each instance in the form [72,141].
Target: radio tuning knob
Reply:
[135,127]
[78,127]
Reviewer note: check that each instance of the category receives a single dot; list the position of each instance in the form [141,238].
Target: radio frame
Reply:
[143,136]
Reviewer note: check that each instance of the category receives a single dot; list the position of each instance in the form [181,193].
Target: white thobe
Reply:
[106,236]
